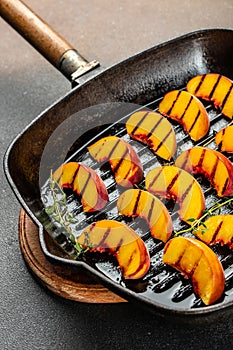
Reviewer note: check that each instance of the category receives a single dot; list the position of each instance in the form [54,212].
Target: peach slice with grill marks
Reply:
[122,242]
[187,110]
[135,202]
[123,159]
[224,139]
[214,87]
[177,184]
[217,229]
[85,182]
[212,164]
[195,260]
[154,130]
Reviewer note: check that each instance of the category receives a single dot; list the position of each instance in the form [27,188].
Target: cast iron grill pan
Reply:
[162,284]
[140,79]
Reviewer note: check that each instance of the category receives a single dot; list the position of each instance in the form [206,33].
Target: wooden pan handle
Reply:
[44,39]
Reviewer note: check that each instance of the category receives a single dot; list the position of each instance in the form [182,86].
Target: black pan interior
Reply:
[140,80]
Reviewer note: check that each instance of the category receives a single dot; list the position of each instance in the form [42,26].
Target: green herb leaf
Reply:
[191,220]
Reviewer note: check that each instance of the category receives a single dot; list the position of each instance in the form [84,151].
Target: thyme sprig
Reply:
[199,224]
[58,211]
[87,244]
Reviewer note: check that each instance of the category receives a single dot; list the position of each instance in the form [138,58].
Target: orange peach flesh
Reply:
[154,130]
[122,242]
[123,159]
[217,229]
[214,87]
[141,203]
[212,164]
[85,182]
[175,183]
[198,262]
[187,110]
[224,139]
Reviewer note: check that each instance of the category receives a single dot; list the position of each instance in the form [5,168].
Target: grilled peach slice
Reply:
[214,87]
[224,139]
[155,131]
[212,164]
[187,110]
[85,182]
[122,242]
[195,260]
[218,229]
[172,182]
[134,202]
[123,159]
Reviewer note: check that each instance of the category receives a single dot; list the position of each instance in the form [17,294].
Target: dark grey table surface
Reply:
[109,31]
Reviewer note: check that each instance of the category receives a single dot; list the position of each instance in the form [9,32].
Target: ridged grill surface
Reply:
[162,284]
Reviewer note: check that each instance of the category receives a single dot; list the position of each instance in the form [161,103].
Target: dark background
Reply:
[109,31]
